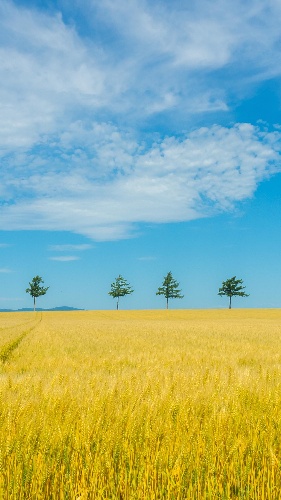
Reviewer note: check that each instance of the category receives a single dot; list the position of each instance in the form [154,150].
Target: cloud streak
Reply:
[70,248]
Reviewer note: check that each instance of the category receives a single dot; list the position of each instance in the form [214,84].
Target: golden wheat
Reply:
[141,405]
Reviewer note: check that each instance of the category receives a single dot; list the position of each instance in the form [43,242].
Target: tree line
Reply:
[120,287]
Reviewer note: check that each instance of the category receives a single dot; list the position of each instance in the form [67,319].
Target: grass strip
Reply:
[7,349]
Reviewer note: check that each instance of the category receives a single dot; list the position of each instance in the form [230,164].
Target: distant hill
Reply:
[60,308]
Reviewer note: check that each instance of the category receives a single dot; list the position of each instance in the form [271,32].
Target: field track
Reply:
[140,405]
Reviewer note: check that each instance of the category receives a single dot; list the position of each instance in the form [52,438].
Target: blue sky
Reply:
[138,138]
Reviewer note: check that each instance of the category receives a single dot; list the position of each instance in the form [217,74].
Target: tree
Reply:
[119,288]
[232,288]
[35,289]
[170,289]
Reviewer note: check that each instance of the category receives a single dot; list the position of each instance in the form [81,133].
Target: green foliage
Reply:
[119,288]
[36,289]
[170,289]
[231,288]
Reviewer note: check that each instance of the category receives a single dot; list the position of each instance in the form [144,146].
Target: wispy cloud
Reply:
[67,160]
[70,248]
[65,258]
[5,270]
[175,179]
[159,57]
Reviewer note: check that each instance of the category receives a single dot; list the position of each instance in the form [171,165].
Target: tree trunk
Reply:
[34,304]
[167,305]
[117,305]
[229,302]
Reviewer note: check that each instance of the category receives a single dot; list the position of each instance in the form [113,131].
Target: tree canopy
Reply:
[119,288]
[232,287]
[170,289]
[36,289]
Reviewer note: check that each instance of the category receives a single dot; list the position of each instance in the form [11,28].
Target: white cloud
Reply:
[175,179]
[5,270]
[158,58]
[70,248]
[46,74]
[67,160]
[192,38]
[173,51]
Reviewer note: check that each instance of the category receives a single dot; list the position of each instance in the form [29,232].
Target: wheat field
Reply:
[140,405]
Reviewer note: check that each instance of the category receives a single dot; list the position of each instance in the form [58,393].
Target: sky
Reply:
[138,138]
